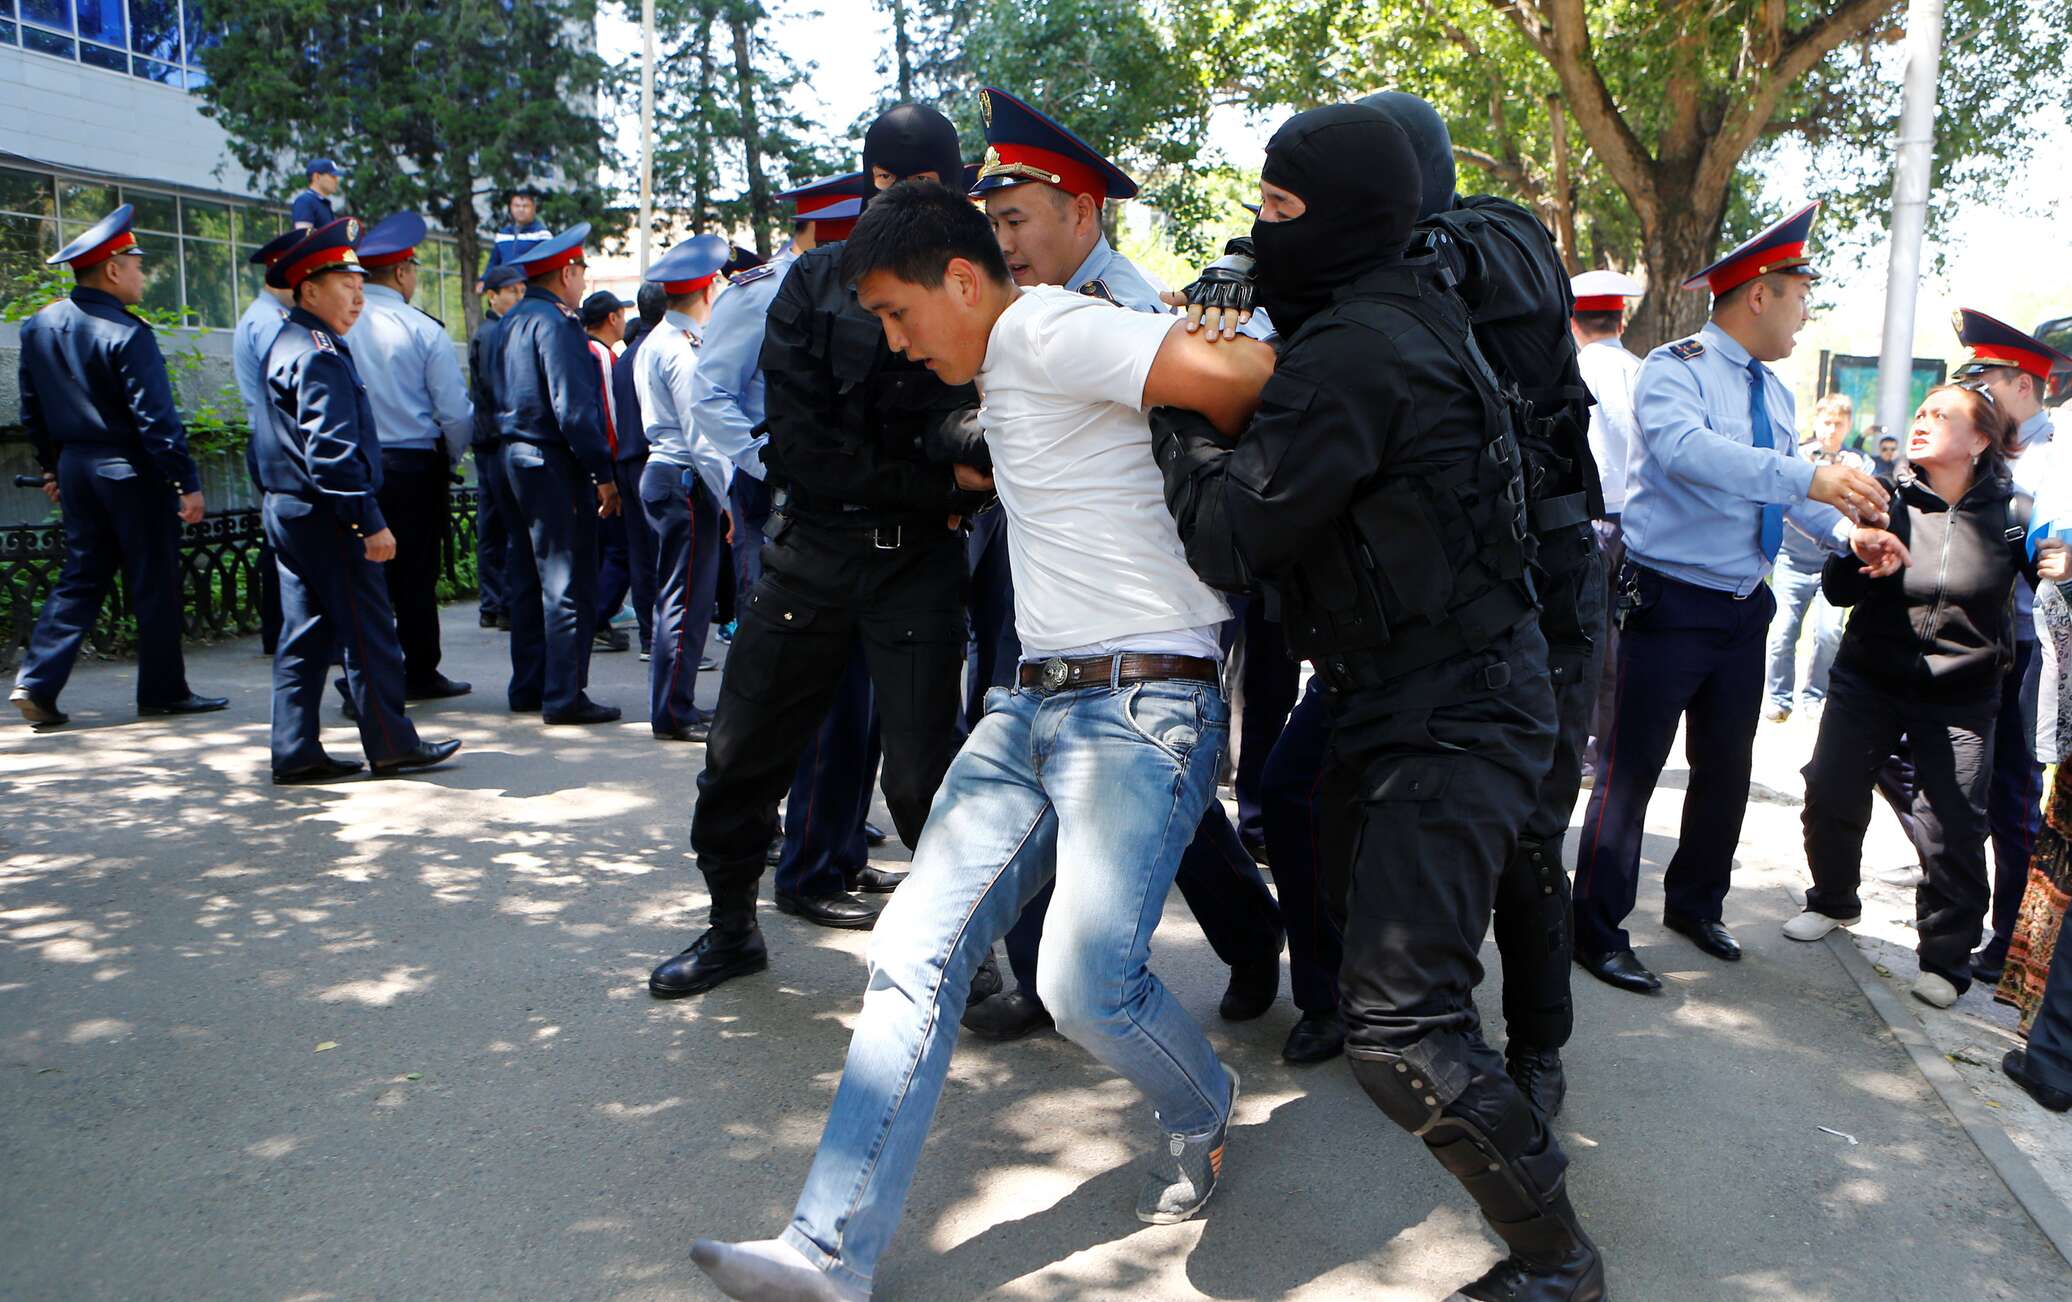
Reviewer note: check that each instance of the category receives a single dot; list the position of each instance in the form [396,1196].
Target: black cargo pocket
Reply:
[1412,781]
[1283,411]
[774,652]
[932,647]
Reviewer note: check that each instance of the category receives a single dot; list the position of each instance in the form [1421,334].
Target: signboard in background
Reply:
[1858,377]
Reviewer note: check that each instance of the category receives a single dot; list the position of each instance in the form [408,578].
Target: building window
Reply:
[197,252]
[157,40]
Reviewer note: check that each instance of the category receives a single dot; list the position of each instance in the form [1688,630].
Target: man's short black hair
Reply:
[914,228]
[1598,323]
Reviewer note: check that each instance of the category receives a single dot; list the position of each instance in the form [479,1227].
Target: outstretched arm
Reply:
[1222,383]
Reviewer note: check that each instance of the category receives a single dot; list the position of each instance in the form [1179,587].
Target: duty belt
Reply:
[1058,674]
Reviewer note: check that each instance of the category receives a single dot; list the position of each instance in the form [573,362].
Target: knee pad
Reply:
[1415,1084]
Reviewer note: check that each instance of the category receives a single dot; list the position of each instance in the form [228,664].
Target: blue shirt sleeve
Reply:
[451,409]
[305,210]
[727,368]
[1670,407]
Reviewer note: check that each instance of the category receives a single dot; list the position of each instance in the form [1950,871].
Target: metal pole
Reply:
[1909,212]
[647,126]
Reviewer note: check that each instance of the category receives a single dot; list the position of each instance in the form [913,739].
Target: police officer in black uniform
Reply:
[1379,492]
[556,484]
[319,462]
[502,287]
[863,546]
[98,408]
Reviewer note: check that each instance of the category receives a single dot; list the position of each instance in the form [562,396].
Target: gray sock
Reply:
[768,1270]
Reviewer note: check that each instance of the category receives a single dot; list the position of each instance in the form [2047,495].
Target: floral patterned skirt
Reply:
[2043,905]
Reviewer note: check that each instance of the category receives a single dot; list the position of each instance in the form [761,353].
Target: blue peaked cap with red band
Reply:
[1023,145]
[1994,343]
[829,199]
[554,252]
[1781,248]
[102,241]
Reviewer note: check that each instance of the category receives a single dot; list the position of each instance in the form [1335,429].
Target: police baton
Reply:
[29,481]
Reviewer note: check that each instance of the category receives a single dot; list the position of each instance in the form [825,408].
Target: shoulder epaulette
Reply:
[1684,350]
[755,273]
[429,317]
[323,341]
[1099,289]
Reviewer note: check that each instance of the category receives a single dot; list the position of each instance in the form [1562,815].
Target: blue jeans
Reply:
[1798,603]
[1101,788]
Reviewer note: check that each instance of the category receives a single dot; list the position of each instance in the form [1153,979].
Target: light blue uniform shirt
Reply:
[727,391]
[412,376]
[1697,483]
[2031,470]
[665,372]
[254,335]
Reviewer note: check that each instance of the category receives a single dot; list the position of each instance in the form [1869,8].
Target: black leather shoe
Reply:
[873,835]
[188,704]
[1254,984]
[424,756]
[1620,968]
[775,854]
[835,909]
[2016,1065]
[1256,847]
[714,957]
[985,983]
[1009,1015]
[438,689]
[324,770]
[876,881]
[706,664]
[611,639]
[487,619]
[1990,962]
[585,711]
[1712,937]
[523,707]
[345,701]
[1576,1277]
[1538,1075]
[503,621]
[1317,1037]
[699,730]
[42,712]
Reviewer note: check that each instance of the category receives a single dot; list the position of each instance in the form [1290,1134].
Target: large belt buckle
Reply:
[1055,673]
[886,538]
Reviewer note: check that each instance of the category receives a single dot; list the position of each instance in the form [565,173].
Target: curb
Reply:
[2043,1205]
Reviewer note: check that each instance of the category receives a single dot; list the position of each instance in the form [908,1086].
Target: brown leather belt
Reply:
[1058,675]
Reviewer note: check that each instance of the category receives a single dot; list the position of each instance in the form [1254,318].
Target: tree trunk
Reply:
[1682,239]
[902,46]
[467,241]
[751,134]
[701,151]
[1564,197]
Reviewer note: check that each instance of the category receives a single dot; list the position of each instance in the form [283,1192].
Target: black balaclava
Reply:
[908,139]
[1357,176]
[1430,138]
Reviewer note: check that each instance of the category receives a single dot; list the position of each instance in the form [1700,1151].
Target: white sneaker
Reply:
[1812,926]
[1933,990]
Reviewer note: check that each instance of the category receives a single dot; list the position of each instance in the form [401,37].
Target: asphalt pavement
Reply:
[392,1039]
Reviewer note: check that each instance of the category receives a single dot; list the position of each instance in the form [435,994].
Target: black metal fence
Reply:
[219,577]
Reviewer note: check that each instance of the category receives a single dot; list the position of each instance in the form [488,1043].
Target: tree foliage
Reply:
[1669,108]
[437,106]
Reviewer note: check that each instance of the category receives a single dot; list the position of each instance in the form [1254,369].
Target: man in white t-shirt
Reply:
[1609,372]
[1094,770]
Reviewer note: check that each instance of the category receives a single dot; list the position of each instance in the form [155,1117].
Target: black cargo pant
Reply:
[1952,749]
[1446,765]
[1534,930]
[822,590]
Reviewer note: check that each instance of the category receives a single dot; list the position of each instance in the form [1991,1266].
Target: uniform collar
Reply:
[1097,260]
[541,294]
[684,322]
[310,321]
[385,293]
[1726,345]
[84,294]
[2037,429]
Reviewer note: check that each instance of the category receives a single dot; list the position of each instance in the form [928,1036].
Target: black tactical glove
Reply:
[1223,294]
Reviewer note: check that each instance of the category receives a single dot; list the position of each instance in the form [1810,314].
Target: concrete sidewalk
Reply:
[392,1038]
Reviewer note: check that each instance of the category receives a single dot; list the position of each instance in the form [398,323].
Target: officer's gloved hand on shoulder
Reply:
[1221,297]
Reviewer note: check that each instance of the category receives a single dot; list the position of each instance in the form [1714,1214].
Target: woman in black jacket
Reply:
[1922,658]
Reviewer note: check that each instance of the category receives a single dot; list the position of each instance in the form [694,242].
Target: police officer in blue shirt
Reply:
[312,208]
[249,341]
[98,408]
[424,420]
[1712,487]
[825,854]
[1043,188]
[502,289]
[320,463]
[630,458]
[557,482]
[682,487]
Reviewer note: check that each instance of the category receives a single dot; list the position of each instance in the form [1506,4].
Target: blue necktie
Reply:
[1771,536]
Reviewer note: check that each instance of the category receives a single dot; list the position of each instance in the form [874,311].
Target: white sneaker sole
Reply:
[1831,924]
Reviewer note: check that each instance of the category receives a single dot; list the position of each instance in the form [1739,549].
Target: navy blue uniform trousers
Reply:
[415,503]
[642,564]
[116,514]
[684,520]
[996,648]
[824,847]
[334,605]
[1689,654]
[2050,1036]
[1293,802]
[553,594]
[2014,801]
[492,533]
[1270,679]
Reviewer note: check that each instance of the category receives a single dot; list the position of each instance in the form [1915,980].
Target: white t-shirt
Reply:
[1609,372]
[1098,564]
